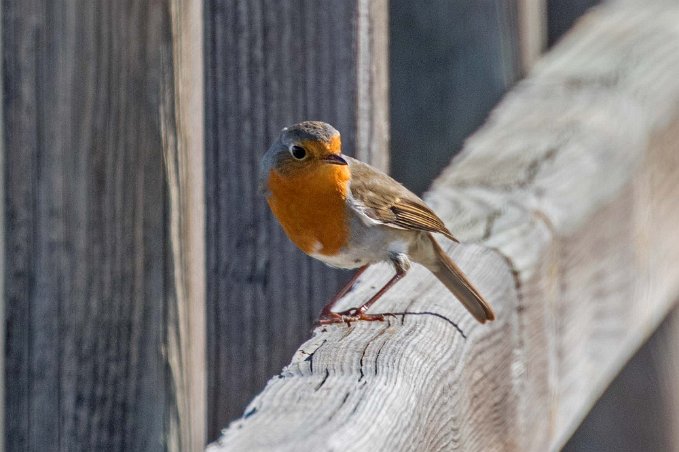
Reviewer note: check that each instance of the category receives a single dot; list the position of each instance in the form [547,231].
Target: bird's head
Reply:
[302,149]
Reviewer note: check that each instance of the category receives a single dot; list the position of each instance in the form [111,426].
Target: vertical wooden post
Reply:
[532,31]
[270,64]
[184,149]
[372,83]
[103,303]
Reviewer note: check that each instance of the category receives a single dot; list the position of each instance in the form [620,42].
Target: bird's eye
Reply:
[298,152]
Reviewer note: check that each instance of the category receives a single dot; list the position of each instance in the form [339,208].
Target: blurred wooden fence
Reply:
[148,293]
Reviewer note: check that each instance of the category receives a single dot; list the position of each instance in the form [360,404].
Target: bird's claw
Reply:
[348,316]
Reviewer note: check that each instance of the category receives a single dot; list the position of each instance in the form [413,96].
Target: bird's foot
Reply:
[348,316]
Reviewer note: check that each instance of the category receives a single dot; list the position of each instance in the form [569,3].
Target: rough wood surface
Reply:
[2,253]
[532,20]
[270,64]
[372,82]
[182,123]
[89,287]
[569,192]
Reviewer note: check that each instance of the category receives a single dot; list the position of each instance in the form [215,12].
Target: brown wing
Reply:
[388,202]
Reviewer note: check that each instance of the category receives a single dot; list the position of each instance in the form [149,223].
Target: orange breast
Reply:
[311,207]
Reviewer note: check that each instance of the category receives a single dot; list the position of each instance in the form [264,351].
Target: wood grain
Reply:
[89,273]
[271,64]
[372,82]
[532,22]
[568,195]
[182,116]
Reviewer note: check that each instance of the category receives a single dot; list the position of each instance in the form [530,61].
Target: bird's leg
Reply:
[401,265]
[327,316]
[360,312]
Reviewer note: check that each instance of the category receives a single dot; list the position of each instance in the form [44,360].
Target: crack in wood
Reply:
[250,412]
[516,274]
[310,358]
[360,369]
[490,222]
[531,173]
[607,81]
[435,314]
[344,400]
[325,378]
[533,168]
[355,409]
[377,355]
[380,333]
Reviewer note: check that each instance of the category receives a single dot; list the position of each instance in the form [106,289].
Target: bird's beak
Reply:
[334,159]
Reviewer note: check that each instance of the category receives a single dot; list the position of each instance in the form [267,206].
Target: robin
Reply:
[350,215]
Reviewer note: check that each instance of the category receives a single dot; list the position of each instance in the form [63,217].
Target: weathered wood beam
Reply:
[568,194]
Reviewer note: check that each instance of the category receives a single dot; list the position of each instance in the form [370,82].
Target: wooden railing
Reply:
[567,202]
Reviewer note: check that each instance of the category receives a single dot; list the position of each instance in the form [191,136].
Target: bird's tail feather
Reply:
[457,282]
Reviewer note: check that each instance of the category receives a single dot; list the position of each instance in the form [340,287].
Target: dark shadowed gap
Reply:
[450,63]
[634,413]
[562,14]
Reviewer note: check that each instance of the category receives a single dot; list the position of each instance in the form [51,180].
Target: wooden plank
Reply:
[450,63]
[532,19]
[569,193]
[372,82]
[182,116]
[90,295]
[270,64]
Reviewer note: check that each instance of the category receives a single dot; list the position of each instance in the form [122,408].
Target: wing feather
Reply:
[387,202]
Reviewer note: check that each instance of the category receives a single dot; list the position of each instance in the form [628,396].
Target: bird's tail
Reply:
[457,282]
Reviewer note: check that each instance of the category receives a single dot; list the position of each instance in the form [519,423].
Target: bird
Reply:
[351,215]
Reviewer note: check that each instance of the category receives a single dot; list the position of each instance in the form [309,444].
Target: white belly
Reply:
[345,259]
[372,245]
